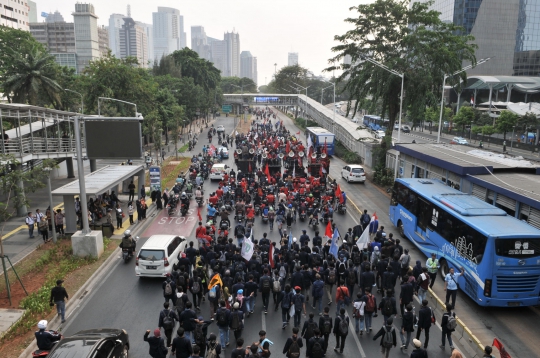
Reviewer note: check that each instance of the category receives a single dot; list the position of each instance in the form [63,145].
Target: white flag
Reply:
[236,132]
[309,142]
[363,240]
[247,247]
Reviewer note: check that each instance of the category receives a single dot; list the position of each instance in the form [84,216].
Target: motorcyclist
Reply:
[128,242]
[46,339]
[184,199]
[198,180]
[198,194]
[224,214]
[210,210]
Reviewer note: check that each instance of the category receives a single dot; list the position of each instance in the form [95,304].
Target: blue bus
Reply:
[499,253]
[375,123]
[320,137]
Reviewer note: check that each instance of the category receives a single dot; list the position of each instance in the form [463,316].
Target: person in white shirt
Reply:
[30,222]
[39,216]
[358,313]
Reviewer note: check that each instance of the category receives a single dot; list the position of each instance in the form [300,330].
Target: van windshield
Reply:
[152,255]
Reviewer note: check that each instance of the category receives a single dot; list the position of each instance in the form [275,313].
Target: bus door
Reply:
[424,218]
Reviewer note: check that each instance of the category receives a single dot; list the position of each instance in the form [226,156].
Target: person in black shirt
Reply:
[166,312]
[157,344]
[239,351]
[58,296]
[46,339]
[181,345]
[290,341]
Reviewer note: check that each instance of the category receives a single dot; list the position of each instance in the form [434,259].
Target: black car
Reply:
[93,343]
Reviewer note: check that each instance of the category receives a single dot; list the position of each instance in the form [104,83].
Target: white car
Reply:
[459,140]
[353,172]
[217,172]
[224,152]
[380,134]
[220,128]
[158,255]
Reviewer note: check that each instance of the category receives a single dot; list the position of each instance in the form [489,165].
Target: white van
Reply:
[217,172]
[158,255]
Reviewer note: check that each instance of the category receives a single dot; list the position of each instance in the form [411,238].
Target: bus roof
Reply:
[319,130]
[479,214]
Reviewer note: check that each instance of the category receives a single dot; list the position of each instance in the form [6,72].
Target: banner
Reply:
[247,247]
[215,281]
[363,240]
[333,246]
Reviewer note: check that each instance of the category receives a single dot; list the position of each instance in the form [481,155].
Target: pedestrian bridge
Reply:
[355,137]
[37,133]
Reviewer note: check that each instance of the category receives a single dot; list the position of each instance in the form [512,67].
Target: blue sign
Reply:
[44,14]
[155,178]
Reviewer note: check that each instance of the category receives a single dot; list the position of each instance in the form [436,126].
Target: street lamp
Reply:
[442,96]
[402,75]
[117,100]
[334,118]
[305,102]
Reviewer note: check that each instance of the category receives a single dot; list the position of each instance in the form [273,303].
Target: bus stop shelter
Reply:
[97,183]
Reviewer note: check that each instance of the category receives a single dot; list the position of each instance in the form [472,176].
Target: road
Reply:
[122,300]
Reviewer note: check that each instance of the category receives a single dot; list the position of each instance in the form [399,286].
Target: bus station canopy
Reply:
[523,84]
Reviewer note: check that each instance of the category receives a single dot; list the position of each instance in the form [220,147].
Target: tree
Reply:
[506,122]
[11,185]
[287,78]
[166,66]
[27,76]
[464,117]
[15,40]
[228,84]
[174,123]
[411,41]
[203,72]
[529,120]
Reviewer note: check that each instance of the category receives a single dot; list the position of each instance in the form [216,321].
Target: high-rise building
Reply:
[15,15]
[232,41]
[248,66]
[293,59]
[86,35]
[219,55]
[200,43]
[168,31]
[149,31]
[115,24]
[32,11]
[505,29]
[133,42]
[54,17]
[103,38]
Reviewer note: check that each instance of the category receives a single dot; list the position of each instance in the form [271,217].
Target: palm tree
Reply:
[29,75]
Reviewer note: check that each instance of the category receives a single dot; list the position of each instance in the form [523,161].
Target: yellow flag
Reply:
[214,281]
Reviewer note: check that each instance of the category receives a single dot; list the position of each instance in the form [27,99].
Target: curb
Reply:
[84,289]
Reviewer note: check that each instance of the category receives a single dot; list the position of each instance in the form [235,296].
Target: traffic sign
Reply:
[226,108]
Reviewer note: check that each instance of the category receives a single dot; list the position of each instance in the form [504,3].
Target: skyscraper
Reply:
[248,66]
[15,15]
[133,42]
[103,39]
[232,43]
[199,42]
[293,59]
[505,29]
[86,35]
[115,24]
[168,28]
[149,31]
[32,11]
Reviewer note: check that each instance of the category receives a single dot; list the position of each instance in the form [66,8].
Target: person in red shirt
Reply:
[310,200]
[219,192]
[225,177]
[213,199]
[271,199]
[200,231]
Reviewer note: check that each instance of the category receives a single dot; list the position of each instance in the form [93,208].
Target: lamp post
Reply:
[512,140]
[402,75]
[49,188]
[334,115]
[305,102]
[117,100]
[442,96]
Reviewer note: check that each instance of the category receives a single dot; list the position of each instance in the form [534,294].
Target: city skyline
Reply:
[311,35]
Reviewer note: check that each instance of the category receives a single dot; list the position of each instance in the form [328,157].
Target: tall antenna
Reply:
[129,10]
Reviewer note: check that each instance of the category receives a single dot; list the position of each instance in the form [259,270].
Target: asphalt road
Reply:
[122,300]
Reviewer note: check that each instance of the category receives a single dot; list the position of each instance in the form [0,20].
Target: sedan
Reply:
[405,129]
[224,152]
[220,128]
[459,140]
[93,343]
[380,134]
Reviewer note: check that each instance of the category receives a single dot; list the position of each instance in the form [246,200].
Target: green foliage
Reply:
[235,85]
[529,120]
[15,41]
[301,123]
[203,72]
[506,122]
[411,41]
[464,117]
[166,66]
[383,176]
[346,155]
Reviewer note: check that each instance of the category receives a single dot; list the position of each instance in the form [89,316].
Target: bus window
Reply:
[394,199]
[517,248]
[468,242]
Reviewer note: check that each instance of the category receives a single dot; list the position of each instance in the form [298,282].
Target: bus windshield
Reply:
[517,248]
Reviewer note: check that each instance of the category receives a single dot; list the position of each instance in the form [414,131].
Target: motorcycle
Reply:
[257,210]
[183,210]
[342,209]
[302,215]
[199,201]
[314,221]
[239,215]
[40,353]
[127,253]
[264,218]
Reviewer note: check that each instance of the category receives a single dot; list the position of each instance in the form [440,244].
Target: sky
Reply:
[268,29]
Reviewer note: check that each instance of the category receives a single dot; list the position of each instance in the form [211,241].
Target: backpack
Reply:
[327,325]
[310,330]
[343,326]
[316,260]
[276,286]
[351,278]
[223,258]
[396,253]
[286,302]
[196,287]
[370,305]
[405,261]
[199,334]
[238,267]
[341,268]
[332,276]
[388,310]
[181,281]
[357,259]
[452,323]
[297,264]
[222,318]
[179,305]
[316,350]
[388,338]
[211,353]
[168,321]
[298,302]
[168,288]
[266,286]
[212,292]
[294,349]
[282,271]
[376,258]
[235,321]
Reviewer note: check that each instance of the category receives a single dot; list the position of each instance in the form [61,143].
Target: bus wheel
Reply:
[444,268]
[400,229]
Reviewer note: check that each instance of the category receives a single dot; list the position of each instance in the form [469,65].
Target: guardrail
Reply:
[36,145]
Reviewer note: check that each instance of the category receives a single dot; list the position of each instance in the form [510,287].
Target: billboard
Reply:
[113,138]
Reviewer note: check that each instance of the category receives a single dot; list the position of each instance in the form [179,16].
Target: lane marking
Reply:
[263,321]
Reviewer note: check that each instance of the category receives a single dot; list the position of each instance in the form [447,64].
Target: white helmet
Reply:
[294,239]
[42,324]
[127,233]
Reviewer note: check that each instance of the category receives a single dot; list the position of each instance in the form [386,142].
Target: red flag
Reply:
[339,194]
[320,171]
[287,148]
[500,347]
[325,150]
[298,132]
[328,233]
[267,172]
[271,256]
[199,214]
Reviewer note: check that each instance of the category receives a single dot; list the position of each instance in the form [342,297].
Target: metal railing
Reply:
[37,145]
